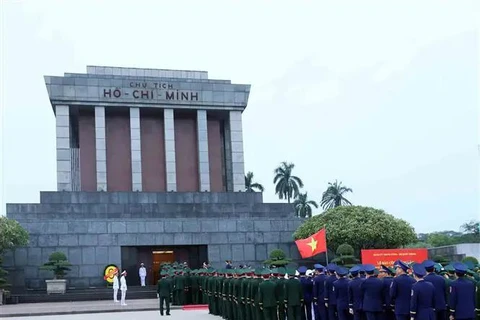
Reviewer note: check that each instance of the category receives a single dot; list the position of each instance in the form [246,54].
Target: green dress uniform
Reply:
[240,306]
[195,287]
[281,294]
[258,310]
[294,297]
[180,289]
[246,292]
[164,292]
[267,297]
[253,298]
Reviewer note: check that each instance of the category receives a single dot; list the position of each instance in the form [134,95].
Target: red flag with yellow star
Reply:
[313,245]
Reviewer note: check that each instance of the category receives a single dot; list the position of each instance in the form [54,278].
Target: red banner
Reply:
[387,257]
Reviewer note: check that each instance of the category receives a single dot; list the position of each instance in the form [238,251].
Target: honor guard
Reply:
[440,286]
[462,295]
[294,296]
[267,297]
[372,294]
[319,293]
[330,302]
[400,291]
[386,275]
[164,292]
[422,302]
[340,287]
[355,294]
[307,287]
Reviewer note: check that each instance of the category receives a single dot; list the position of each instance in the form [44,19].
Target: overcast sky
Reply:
[381,96]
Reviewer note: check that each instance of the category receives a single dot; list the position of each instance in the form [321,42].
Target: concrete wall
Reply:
[91,228]
[457,252]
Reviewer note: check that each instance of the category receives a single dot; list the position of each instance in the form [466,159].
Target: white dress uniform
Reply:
[142,272]
[116,286]
[123,289]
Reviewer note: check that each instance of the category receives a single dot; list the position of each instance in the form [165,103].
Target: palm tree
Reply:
[303,206]
[287,186]
[250,186]
[333,196]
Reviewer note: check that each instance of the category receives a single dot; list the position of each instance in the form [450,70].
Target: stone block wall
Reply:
[91,228]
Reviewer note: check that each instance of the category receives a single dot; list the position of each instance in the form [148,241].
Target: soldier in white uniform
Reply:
[142,273]
[116,286]
[123,287]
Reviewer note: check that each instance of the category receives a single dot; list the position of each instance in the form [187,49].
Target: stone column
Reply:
[100,149]
[236,145]
[136,153]
[64,164]
[170,163]
[202,143]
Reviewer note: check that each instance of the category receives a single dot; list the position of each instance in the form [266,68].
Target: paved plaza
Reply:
[143,315]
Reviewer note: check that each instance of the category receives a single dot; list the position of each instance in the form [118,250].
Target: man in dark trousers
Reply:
[164,292]
[293,296]
[330,302]
[386,275]
[319,293]
[341,293]
[307,287]
[355,293]
[372,294]
[267,296]
[440,286]
[401,291]
[462,294]
[422,302]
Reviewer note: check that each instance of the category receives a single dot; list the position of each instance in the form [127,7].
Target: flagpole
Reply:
[326,246]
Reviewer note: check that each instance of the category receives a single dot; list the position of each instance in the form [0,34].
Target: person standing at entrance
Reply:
[164,291]
[115,286]
[142,273]
[123,287]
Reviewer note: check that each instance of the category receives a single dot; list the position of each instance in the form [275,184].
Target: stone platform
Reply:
[93,227]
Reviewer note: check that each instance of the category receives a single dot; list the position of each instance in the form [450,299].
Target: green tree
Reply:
[11,235]
[345,256]
[303,206]
[58,264]
[471,260]
[471,227]
[334,196]
[287,186]
[361,227]
[251,186]
[439,240]
[277,258]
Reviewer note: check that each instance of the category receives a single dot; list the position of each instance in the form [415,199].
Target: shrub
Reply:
[58,263]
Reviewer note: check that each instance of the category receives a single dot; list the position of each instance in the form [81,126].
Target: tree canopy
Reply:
[250,185]
[277,258]
[287,186]
[334,196]
[361,227]
[303,206]
[11,234]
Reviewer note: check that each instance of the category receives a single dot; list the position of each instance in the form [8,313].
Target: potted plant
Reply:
[58,263]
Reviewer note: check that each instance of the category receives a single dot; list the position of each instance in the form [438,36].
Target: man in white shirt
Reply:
[142,273]
[123,287]
[115,286]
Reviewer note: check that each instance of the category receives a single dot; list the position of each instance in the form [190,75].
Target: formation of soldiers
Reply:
[419,291]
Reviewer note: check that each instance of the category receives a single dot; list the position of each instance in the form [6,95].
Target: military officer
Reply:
[422,302]
[462,295]
[281,294]
[386,275]
[267,297]
[294,296]
[307,287]
[164,292]
[329,299]
[440,286]
[400,291]
[372,294]
[340,288]
[355,293]
[319,293]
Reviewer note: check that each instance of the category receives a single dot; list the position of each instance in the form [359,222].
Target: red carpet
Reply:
[194,307]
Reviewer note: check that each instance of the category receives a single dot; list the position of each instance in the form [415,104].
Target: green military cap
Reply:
[281,271]
[438,267]
[291,272]
[274,271]
[449,268]
[258,271]
[266,272]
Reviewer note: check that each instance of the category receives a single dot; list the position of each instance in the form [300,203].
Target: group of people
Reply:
[419,292]
[120,284]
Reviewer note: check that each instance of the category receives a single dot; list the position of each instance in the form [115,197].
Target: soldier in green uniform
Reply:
[239,285]
[220,294]
[267,296]
[246,294]
[258,280]
[281,294]
[180,288]
[164,292]
[228,294]
[253,295]
[195,287]
[293,297]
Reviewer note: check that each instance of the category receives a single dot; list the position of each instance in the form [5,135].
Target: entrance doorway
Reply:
[159,257]
[153,256]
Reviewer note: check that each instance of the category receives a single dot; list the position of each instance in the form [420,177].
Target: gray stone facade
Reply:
[92,227]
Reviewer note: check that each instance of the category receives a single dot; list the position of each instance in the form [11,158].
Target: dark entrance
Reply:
[153,256]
